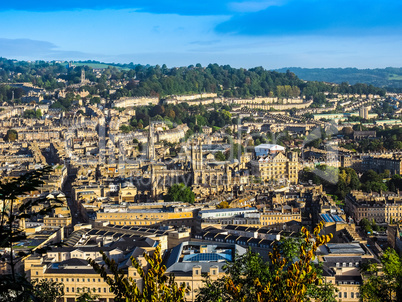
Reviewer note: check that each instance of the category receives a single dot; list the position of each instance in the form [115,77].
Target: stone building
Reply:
[211,176]
[380,207]
[277,166]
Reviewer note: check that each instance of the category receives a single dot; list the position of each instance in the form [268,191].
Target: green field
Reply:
[95,65]
[395,77]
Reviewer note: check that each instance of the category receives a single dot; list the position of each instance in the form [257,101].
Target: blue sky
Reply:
[268,33]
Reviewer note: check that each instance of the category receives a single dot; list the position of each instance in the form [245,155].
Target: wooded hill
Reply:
[389,77]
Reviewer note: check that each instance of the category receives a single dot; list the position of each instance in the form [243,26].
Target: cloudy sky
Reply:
[268,33]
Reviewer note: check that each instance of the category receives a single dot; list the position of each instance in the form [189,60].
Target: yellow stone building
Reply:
[276,167]
[274,217]
[138,217]
[381,207]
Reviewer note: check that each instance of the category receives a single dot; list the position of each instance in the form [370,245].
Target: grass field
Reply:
[95,65]
[395,77]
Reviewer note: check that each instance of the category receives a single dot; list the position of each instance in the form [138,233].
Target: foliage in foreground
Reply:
[156,285]
[47,291]
[14,286]
[283,278]
[383,284]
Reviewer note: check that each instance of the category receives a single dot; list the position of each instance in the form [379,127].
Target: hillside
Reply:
[129,80]
[386,77]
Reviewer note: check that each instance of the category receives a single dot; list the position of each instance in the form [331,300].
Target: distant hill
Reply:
[389,77]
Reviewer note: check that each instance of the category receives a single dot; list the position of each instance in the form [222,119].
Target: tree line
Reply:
[161,81]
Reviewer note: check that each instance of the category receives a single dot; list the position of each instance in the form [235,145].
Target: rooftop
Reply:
[188,254]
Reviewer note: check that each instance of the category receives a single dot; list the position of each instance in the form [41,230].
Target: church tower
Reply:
[196,155]
[196,161]
[83,80]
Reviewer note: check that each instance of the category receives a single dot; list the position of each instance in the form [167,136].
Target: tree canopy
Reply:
[11,135]
[383,284]
[180,192]
[14,286]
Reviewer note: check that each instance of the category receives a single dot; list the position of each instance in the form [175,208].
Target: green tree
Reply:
[126,128]
[87,295]
[366,225]
[157,285]
[244,270]
[29,113]
[189,133]
[395,182]
[47,291]
[14,286]
[370,176]
[11,135]
[180,192]
[220,156]
[38,114]
[383,284]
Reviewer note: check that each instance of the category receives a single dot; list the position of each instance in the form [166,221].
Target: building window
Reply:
[345,294]
[352,295]
[340,295]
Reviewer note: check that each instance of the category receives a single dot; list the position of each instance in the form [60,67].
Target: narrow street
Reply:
[76,217]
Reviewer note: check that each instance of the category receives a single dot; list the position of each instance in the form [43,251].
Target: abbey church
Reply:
[213,177]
